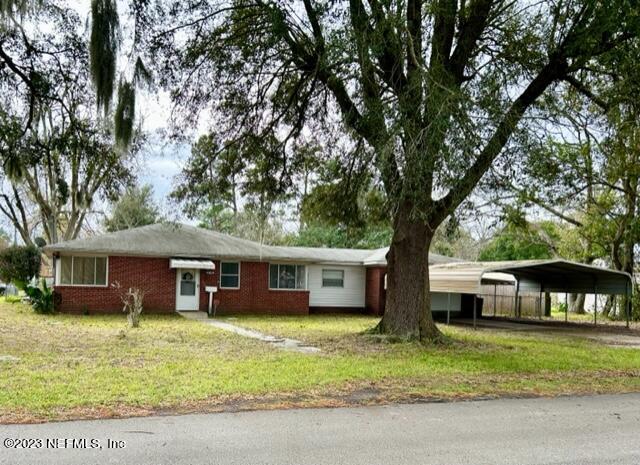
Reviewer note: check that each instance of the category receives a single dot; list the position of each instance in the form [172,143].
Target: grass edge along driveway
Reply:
[69,366]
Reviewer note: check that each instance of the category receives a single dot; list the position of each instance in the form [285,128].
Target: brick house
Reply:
[184,268]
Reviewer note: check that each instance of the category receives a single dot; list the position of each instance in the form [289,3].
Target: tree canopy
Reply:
[19,264]
[58,158]
[135,208]
[425,94]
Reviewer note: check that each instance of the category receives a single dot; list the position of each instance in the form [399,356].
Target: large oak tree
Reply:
[435,89]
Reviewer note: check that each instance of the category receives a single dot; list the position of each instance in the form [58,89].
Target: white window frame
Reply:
[59,282]
[306,277]
[331,269]
[226,274]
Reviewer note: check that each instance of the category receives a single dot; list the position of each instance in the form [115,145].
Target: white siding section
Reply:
[439,302]
[351,295]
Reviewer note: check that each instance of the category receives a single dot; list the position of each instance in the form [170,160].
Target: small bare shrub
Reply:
[132,299]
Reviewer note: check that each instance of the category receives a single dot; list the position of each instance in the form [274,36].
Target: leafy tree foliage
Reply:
[57,158]
[19,264]
[433,91]
[452,239]
[217,175]
[324,235]
[513,243]
[211,177]
[248,223]
[22,18]
[135,208]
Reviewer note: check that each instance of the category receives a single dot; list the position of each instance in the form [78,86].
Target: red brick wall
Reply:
[152,275]
[375,293]
[254,295]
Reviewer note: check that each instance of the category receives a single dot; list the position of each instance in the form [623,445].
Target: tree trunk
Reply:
[408,301]
[608,306]
[576,304]
[547,304]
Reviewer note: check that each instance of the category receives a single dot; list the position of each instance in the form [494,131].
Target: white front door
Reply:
[187,289]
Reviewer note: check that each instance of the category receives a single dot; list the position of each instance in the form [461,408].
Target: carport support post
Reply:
[475,300]
[628,303]
[495,291]
[540,304]
[448,306]
[566,306]
[595,306]
[515,302]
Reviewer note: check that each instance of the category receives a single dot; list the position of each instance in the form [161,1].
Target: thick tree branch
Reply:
[473,24]
[554,70]
[584,90]
[443,32]
[554,211]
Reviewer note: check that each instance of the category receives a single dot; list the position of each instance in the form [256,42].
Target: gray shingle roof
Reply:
[179,240]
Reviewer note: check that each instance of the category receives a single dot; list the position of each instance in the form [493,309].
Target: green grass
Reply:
[79,366]
[588,318]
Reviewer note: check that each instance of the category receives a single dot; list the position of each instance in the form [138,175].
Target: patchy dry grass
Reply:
[93,366]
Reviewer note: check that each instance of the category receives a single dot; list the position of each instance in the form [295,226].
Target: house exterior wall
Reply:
[352,295]
[375,293]
[152,275]
[440,301]
[363,290]
[254,295]
[158,280]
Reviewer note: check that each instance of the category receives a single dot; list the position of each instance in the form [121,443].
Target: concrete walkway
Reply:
[598,430]
[280,342]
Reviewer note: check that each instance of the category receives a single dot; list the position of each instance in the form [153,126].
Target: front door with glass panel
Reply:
[188,284]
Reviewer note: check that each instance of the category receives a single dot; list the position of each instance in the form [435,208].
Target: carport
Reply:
[531,276]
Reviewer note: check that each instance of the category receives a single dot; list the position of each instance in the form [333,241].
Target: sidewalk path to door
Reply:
[280,342]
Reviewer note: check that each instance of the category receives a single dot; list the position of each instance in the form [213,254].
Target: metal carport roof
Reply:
[531,276]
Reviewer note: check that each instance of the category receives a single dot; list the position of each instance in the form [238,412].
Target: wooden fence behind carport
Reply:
[505,301]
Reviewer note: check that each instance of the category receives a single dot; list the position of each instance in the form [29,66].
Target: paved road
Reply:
[585,430]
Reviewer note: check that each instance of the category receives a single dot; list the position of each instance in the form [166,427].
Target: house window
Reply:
[332,278]
[230,275]
[287,277]
[83,271]
[187,284]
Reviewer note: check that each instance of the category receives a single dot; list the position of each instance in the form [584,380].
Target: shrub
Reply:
[19,264]
[41,298]
[133,306]
[132,299]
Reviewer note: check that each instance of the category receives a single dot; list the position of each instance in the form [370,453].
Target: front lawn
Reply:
[63,366]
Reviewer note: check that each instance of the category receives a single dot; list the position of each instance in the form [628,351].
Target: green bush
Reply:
[41,298]
[19,265]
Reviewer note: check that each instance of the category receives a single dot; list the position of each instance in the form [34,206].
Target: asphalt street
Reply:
[599,430]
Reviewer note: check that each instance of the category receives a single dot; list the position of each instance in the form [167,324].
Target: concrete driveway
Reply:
[584,430]
[610,335]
